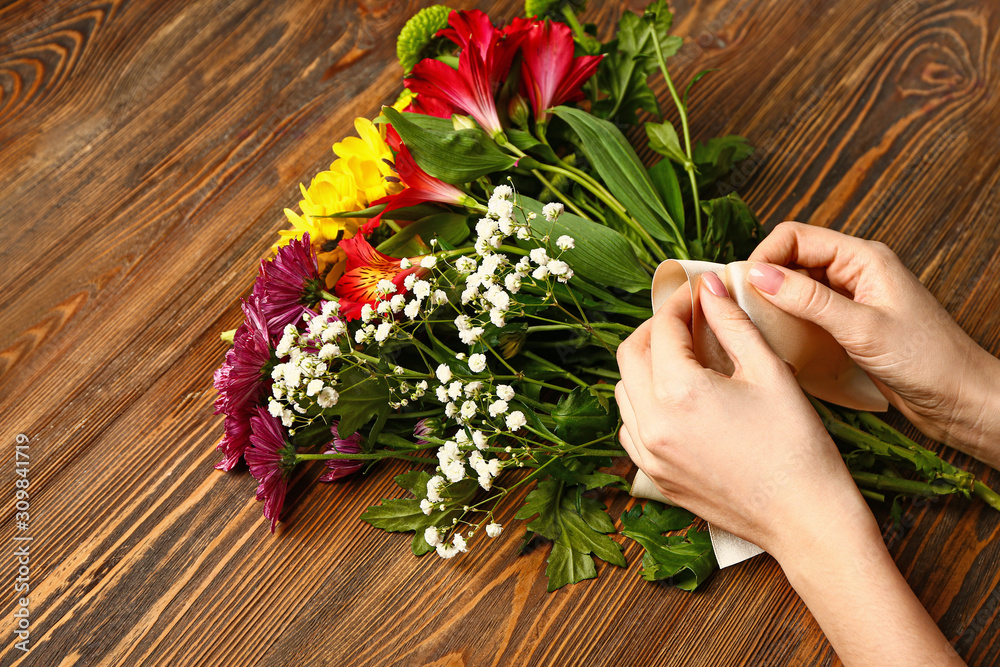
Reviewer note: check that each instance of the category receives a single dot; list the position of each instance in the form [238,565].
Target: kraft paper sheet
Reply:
[822,367]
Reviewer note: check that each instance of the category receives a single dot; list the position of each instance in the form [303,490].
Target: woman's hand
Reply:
[895,329]
[748,453]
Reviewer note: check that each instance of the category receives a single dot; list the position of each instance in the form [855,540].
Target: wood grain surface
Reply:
[147,148]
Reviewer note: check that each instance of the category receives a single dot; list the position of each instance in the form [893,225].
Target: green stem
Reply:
[689,165]
[908,487]
[583,327]
[558,193]
[374,456]
[548,364]
[986,494]
[602,372]
[417,415]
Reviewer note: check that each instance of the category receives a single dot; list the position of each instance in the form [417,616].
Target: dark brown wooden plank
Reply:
[146,151]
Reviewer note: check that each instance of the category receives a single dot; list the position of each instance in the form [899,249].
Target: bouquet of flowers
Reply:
[453,290]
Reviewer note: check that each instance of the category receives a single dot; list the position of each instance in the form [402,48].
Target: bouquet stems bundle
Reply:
[453,289]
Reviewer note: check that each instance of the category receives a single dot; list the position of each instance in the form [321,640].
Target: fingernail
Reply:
[766,278]
[714,285]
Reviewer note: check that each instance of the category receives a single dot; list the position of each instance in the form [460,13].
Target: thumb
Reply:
[736,333]
[803,297]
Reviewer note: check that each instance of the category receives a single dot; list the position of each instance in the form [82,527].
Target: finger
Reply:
[807,246]
[671,345]
[629,426]
[634,361]
[737,334]
[810,300]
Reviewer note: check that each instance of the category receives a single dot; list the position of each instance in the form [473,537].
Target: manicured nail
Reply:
[714,285]
[766,278]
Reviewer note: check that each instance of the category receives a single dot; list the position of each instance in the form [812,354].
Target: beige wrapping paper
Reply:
[822,367]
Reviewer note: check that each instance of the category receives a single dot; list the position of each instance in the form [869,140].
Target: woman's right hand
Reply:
[892,326]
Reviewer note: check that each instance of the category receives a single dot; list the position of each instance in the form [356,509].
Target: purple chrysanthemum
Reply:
[242,378]
[235,441]
[340,468]
[271,460]
[288,284]
[426,426]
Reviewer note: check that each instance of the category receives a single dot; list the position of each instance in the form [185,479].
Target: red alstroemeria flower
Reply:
[550,75]
[366,266]
[483,65]
[421,187]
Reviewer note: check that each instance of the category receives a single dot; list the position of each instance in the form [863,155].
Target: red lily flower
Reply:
[550,75]
[483,65]
[366,266]
[421,187]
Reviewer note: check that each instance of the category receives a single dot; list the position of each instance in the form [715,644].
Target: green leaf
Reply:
[716,157]
[399,515]
[362,396]
[668,185]
[687,561]
[732,230]
[664,140]
[697,77]
[418,34]
[552,9]
[601,256]
[580,417]
[621,171]
[529,144]
[454,156]
[576,534]
[630,59]
[453,228]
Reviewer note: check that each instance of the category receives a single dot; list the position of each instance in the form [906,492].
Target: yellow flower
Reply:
[367,159]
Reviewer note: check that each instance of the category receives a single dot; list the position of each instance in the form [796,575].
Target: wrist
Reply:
[978,429]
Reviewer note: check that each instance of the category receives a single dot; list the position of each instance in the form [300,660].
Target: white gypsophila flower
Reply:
[498,407]
[557,267]
[442,393]
[505,392]
[360,336]
[463,323]
[493,529]
[516,420]
[476,460]
[336,329]
[462,437]
[552,210]
[405,263]
[486,227]
[512,282]
[483,247]
[287,418]
[383,308]
[459,542]
[277,372]
[502,191]
[485,482]
[274,408]
[498,318]
[329,351]
[328,397]
[383,331]
[397,302]
[367,313]
[432,536]
[468,410]
[443,373]
[330,308]
[523,233]
[422,385]
[450,410]
[499,208]
[479,440]
[409,280]
[541,273]
[439,297]
[292,375]
[428,261]
[498,297]
[426,507]
[314,387]
[421,289]
[539,256]
[278,391]
[564,278]
[435,485]
[471,336]
[477,362]
[565,242]
[412,309]
[385,287]
[398,370]
[465,265]
[446,551]
[473,388]
[455,390]
[469,293]
[506,226]
[493,467]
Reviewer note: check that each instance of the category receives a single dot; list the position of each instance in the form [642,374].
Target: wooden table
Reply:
[146,151]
